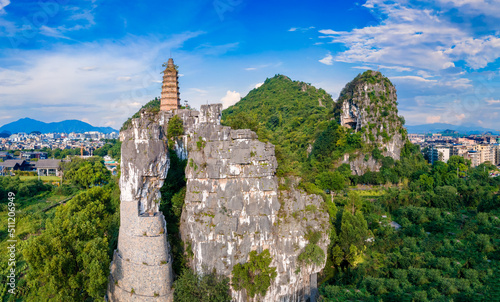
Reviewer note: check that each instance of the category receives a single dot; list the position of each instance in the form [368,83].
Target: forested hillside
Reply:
[409,232]
[66,232]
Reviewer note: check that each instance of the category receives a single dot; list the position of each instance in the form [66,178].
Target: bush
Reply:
[191,287]
[175,127]
[254,276]
[312,254]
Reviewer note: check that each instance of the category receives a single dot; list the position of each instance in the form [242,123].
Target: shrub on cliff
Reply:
[175,127]
[191,287]
[255,276]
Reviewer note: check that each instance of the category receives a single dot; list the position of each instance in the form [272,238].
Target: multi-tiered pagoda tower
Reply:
[170,95]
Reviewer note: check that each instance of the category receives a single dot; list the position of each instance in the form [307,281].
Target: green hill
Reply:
[289,114]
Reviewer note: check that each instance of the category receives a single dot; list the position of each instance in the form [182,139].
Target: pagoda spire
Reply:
[170,95]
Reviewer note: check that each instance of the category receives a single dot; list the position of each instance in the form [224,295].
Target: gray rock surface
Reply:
[232,206]
[369,104]
[141,269]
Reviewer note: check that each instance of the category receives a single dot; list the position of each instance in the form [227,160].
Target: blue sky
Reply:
[99,61]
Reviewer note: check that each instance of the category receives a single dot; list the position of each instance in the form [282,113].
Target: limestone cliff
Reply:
[141,269]
[232,206]
[369,104]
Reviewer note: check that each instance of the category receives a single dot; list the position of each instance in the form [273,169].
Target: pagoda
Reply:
[170,95]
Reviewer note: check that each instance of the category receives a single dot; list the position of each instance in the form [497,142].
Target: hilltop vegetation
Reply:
[289,114]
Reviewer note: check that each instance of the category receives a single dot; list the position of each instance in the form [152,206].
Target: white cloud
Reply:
[3,4]
[433,119]
[301,29]
[460,116]
[329,32]
[414,78]
[86,80]
[492,101]
[52,32]
[258,85]
[328,60]
[251,68]
[474,7]
[231,98]
[397,68]
[420,38]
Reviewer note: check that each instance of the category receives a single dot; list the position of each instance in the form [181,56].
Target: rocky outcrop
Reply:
[233,207]
[141,269]
[368,104]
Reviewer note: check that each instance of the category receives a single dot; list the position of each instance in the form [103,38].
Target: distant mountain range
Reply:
[29,125]
[440,127]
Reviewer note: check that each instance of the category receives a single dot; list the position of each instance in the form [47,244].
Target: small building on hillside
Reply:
[8,167]
[48,167]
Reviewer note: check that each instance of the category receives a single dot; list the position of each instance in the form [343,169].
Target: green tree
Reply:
[255,276]
[334,181]
[69,260]
[191,287]
[175,127]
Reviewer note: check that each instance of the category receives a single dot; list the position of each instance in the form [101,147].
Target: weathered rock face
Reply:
[232,206]
[369,104]
[141,269]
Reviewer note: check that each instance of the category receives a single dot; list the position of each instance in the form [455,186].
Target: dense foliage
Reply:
[112,148]
[254,276]
[175,127]
[288,113]
[64,242]
[69,261]
[444,246]
[28,188]
[191,287]
[86,173]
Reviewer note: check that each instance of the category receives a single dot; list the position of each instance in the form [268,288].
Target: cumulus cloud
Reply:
[258,85]
[231,98]
[328,60]
[414,37]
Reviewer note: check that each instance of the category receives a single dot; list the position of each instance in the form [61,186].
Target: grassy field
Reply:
[44,178]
